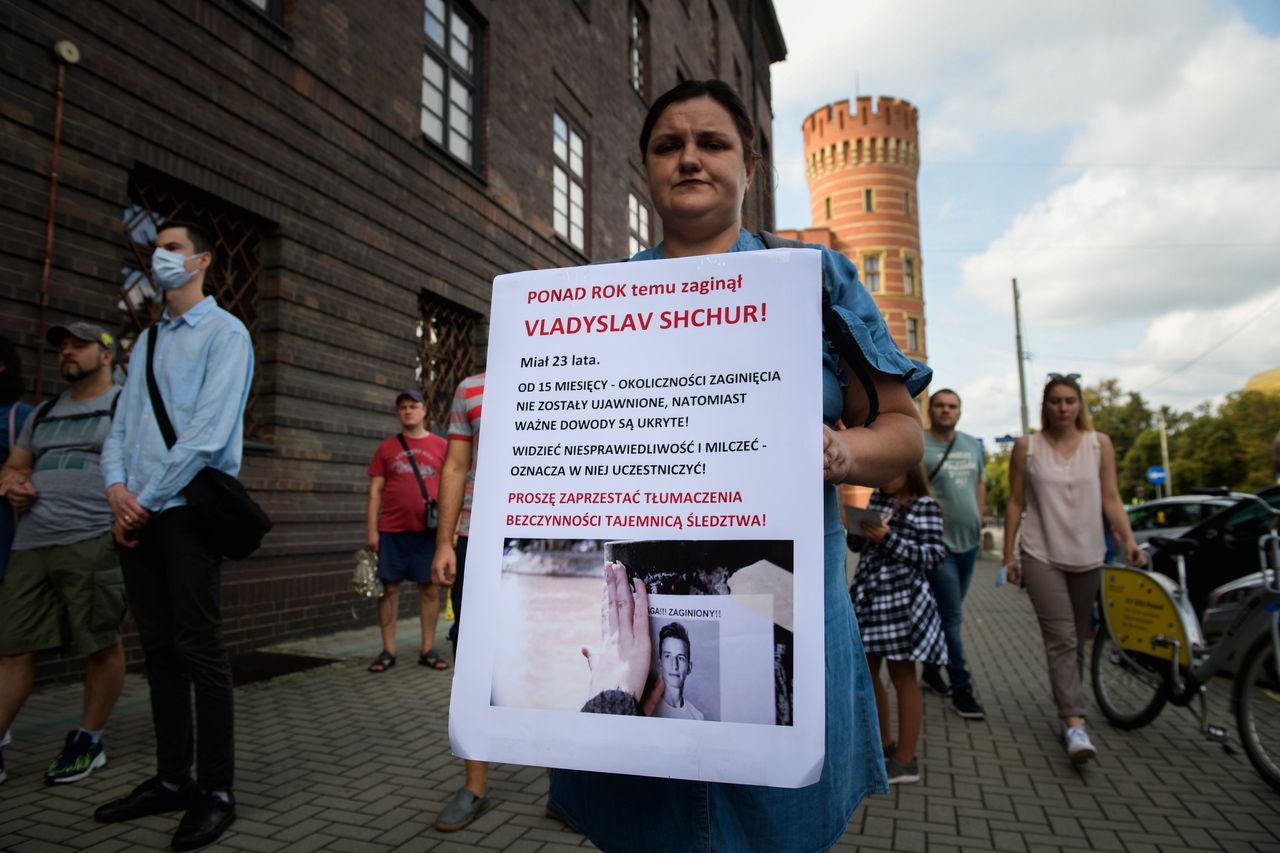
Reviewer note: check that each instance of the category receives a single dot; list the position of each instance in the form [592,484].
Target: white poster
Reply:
[662,417]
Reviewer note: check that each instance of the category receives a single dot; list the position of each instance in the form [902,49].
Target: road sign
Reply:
[1006,439]
[1156,475]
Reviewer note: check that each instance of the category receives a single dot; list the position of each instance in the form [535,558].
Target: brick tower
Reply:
[861,168]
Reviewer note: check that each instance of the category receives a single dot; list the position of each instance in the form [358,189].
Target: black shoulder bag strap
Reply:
[157,402]
[429,522]
[835,331]
[943,460]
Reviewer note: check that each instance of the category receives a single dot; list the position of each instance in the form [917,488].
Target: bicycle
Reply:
[1149,650]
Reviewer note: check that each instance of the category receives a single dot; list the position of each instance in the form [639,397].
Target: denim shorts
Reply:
[406,556]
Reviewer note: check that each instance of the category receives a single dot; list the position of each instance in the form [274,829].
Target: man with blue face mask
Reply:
[203,363]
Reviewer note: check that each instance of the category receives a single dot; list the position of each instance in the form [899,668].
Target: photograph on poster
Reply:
[720,625]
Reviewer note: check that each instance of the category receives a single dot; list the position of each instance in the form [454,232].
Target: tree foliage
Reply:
[1229,446]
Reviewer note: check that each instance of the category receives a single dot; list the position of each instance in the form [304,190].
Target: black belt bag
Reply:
[232,522]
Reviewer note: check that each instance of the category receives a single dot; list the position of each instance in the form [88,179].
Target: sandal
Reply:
[383,662]
[433,660]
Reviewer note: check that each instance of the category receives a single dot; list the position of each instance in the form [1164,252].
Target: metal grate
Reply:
[232,280]
[445,352]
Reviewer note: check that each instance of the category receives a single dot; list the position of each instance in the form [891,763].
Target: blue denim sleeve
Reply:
[855,308]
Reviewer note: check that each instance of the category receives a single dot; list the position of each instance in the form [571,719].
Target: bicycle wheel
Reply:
[1130,688]
[1257,701]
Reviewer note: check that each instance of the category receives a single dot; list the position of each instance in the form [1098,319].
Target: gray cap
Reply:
[83,331]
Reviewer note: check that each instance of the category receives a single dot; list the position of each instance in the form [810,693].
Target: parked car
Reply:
[1228,547]
[1174,516]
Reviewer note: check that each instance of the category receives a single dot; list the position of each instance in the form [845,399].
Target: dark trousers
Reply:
[455,592]
[949,582]
[173,582]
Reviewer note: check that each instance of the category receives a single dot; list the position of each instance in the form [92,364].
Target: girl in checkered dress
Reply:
[896,610]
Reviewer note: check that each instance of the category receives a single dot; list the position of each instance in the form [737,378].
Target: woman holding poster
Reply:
[696,144]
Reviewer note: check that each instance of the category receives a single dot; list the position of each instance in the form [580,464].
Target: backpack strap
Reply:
[41,413]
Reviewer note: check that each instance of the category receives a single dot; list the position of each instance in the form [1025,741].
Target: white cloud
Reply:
[1191,228]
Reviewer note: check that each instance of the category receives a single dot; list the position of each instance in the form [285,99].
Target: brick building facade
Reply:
[861,167]
[368,169]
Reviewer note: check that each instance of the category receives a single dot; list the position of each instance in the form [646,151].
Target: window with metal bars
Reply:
[233,279]
[446,350]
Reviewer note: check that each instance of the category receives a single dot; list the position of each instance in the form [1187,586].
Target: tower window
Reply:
[868,200]
[871,270]
[906,202]
[913,335]
[909,276]
[828,202]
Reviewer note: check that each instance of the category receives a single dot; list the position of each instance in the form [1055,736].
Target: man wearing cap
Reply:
[203,366]
[397,525]
[63,585]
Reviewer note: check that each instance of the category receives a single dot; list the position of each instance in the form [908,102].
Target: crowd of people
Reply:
[102,524]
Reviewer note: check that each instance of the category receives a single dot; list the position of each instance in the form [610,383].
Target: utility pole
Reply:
[1022,372]
[1164,453]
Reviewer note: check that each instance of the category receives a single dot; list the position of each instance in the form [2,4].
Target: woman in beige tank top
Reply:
[1064,477]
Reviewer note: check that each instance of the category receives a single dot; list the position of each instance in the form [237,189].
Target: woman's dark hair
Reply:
[1083,422]
[720,92]
[11,376]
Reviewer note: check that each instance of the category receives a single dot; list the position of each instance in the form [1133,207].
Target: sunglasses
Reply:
[1072,377]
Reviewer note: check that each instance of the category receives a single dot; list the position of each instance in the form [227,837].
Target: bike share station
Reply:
[1150,650]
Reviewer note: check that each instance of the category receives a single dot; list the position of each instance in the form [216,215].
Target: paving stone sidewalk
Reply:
[337,759]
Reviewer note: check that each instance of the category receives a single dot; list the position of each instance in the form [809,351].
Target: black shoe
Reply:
[204,822]
[932,678]
[151,797]
[966,706]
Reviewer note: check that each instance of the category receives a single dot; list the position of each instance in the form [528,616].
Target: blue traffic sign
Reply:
[1156,475]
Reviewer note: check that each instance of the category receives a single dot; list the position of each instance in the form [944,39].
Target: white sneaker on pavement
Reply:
[1079,748]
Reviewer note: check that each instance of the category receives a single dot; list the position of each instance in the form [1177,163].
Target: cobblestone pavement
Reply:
[337,759]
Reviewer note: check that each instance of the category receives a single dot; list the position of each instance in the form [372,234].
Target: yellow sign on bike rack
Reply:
[1140,611]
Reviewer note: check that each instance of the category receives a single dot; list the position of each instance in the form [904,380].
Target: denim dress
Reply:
[618,812]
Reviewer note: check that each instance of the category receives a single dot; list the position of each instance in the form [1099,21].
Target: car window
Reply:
[1250,520]
[1140,518]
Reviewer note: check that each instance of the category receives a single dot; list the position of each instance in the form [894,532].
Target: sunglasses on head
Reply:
[1073,377]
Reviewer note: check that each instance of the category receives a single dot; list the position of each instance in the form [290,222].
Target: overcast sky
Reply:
[1121,159]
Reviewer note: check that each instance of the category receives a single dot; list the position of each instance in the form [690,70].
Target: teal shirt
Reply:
[956,488]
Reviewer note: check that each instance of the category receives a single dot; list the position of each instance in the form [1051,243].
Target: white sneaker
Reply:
[1079,748]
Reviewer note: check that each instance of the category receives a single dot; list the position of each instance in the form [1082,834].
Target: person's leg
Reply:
[429,611]
[455,592]
[944,580]
[477,781]
[1047,587]
[103,683]
[17,677]
[29,621]
[882,698]
[1082,587]
[388,610]
[146,581]
[87,576]
[910,707]
[195,586]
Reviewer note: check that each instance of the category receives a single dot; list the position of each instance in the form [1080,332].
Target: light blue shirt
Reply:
[204,368]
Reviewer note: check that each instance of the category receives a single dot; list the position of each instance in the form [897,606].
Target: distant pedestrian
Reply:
[457,486]
[403,475]
[956,468]
[63,586]
[1064,477]
[896,609]
[203,367]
